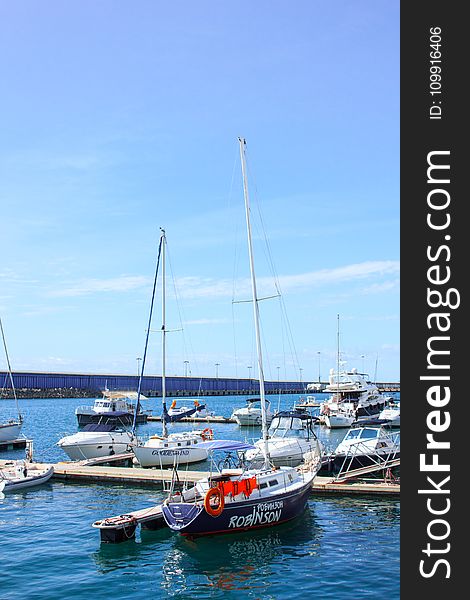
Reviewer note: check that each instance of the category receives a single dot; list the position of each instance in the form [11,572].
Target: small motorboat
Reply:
[95,440]
[364,445]
[251,413]
[20,474]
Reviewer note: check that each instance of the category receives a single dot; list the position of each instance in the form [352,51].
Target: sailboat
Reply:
[10,429]
[244,499]
[174,448]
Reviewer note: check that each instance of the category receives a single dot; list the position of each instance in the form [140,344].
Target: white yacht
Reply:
[352,398]
[116,407]
[290,438]
[251,413]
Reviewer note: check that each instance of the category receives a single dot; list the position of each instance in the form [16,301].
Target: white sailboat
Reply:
[237,499]
[10,429]
[175,448]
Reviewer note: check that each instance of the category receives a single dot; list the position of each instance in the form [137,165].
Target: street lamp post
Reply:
[249,377]
[362,356]
[186,363]
[138,359]
[217,365]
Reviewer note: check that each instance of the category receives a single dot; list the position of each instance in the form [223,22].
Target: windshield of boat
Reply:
[287,427]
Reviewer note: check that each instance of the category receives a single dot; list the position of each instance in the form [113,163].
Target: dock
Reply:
[83,471]
[14,444]
[209,420]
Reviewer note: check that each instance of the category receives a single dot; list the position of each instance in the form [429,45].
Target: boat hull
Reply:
[342,462]
[10,431]
[78,447]
[31,480]
[148,456]
[110,419]
[237,516]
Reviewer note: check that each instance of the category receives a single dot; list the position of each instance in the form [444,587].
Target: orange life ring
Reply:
[212,493]
[207,434]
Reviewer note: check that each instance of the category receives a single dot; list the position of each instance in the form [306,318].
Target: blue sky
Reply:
[118,118]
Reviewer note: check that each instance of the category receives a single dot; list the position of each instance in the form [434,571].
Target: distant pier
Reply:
[82,385]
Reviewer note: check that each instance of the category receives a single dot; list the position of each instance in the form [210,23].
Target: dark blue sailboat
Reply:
[244,499]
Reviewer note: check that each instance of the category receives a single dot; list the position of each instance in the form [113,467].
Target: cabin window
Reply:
[273,482]
[165,445]
[263,486]
[98,447]
[188,443]
[179,444]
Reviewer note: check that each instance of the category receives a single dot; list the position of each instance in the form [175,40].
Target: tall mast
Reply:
[10,376]
[164,429]
[242,143]
[337,358]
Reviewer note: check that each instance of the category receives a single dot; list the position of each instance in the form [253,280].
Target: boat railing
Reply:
[383,457]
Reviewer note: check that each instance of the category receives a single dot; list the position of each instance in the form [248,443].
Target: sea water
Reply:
[342,547]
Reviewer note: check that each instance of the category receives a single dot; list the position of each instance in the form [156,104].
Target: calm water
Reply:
[341,548]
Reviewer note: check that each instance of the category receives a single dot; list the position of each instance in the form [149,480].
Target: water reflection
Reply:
[237,562]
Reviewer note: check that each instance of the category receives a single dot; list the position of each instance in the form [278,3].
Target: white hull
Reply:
[10,431]
[283,451]
[86,445]
[14,480]
[338,421]
[151,456]
[246,417]
[391,415]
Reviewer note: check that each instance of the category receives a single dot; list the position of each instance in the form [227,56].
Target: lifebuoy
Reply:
[207,434]
[212,494]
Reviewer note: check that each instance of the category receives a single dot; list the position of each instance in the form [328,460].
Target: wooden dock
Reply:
[83,472]
[209,420]
[14,444]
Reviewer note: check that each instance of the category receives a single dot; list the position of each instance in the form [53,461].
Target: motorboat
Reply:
[198,411]
[115,407]
[352,398]
[391,414]
[251,413]
[366,444]
[167,449]
[243,499]
[96,440]
[10,428]
[290,438]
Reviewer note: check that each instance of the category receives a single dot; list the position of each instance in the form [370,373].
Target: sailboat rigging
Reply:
[175,448]
[10,430]
[244,499]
